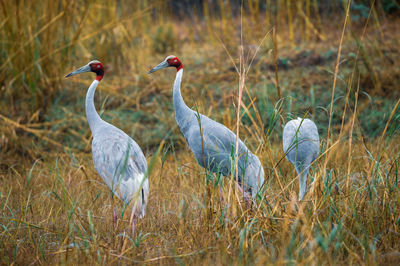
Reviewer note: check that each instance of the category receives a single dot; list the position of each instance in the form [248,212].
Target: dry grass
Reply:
[54,208]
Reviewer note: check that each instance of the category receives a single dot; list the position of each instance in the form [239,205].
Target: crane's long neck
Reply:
[91,113]
[182,111]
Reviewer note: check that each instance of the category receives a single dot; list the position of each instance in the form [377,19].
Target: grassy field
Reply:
[334,62]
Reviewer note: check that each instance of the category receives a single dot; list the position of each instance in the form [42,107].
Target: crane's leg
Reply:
[221,196]
[247,198]
[239,187]
[133,225]
[115,218]
[132,220]
[221,199]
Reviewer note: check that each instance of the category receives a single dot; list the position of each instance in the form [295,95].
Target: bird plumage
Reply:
[120,162]
[117,158]
[213,144]
[301,147]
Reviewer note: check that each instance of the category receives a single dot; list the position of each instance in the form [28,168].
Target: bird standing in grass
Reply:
[301,147]
[212,143]
[117,158]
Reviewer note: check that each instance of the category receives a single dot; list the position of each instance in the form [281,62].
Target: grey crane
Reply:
[301,147]
[212,143]
[117,158]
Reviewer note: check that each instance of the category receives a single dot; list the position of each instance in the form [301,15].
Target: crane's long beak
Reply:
[163,64]
[79,71]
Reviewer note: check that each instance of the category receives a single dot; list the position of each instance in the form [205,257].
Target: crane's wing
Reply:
[216,148]
[121,163]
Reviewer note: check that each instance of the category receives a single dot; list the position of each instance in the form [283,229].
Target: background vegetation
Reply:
[333,61]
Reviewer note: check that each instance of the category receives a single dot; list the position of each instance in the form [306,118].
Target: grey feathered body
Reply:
[301,146]
[118,159]
[213,144]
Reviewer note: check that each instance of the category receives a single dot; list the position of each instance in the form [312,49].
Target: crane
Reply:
[117,158]
[212,143]
[301,147]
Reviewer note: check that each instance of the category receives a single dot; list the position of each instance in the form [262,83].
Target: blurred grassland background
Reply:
[55,208]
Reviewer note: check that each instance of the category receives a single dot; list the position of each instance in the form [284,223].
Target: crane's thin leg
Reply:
[221,199]
[239,187]
[115,218]
[132,220]
[246,196]
[221,196]
[133,225]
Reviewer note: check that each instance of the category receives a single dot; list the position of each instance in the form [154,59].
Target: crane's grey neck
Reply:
[182,111]
[91,113]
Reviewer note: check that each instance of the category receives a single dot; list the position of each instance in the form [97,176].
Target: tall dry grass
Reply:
[293,60]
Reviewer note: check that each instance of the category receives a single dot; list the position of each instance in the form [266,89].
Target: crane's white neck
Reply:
[91,113]
[181,109]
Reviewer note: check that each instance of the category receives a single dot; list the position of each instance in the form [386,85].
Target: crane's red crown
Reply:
[174,62]
[97,67]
